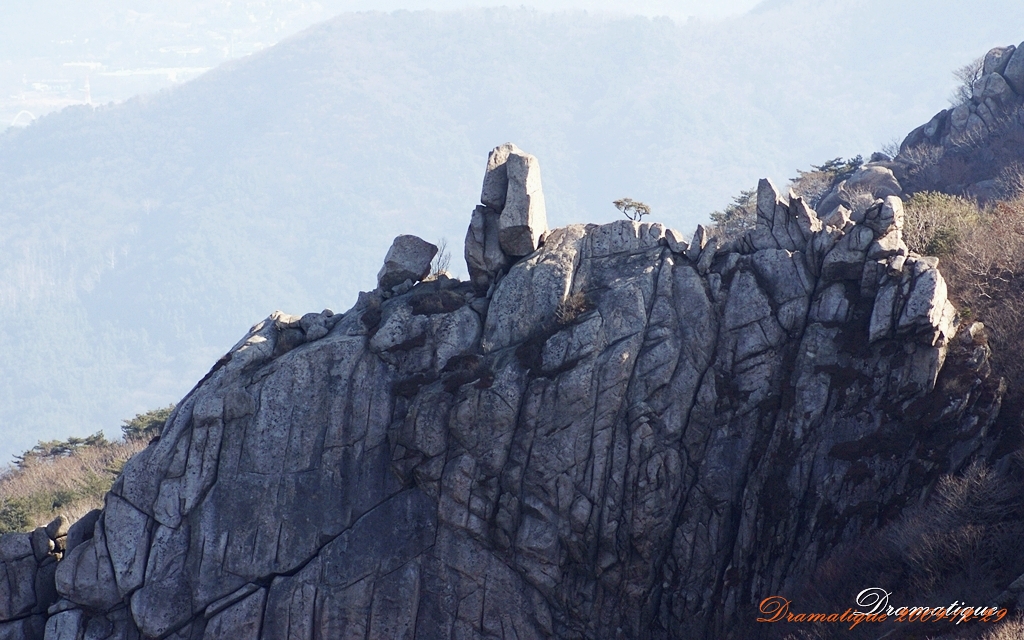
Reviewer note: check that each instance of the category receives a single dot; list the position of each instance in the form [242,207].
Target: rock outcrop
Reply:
[965,150]
[28,563]
[851,196]
[512,188]
[512,219]
[627,435]
[485,259]
[407,262]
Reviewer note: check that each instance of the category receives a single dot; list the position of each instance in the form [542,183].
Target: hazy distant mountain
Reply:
[138,241]
[56,54]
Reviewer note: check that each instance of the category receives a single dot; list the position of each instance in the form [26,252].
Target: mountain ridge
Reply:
[142,303]
[623,433]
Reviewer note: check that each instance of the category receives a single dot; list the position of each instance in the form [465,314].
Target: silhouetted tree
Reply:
[632,209]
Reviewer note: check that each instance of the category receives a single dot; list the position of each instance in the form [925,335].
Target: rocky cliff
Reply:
[972,149]
[610,432]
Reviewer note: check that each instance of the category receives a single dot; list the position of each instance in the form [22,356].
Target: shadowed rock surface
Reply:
[628,436]
[972,149]
[512,188]
[408,259]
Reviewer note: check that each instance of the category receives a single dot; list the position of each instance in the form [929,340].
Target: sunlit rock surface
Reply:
[623,434]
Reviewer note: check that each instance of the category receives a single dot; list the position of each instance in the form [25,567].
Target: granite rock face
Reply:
[512,188]
[851,196]
[966,150]
[485,259]
[632,436]
[408,259]
[28,563]
[524,219]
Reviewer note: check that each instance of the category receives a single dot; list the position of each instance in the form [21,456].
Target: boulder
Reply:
[408,259]
[58,527]
[676,241]
[27,588]
[85,575]
[877,180]
[697,243]
[958,117]
[42,545]
[14,546]
[996,59]
[885,216]
[993,86]
[523,219]
[484,258]
[66,625]
[17,576]
[495,187]
[81,530]
[31,628]
[1014,71]
[975,124]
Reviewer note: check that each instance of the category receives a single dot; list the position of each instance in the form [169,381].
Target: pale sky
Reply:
[677,9]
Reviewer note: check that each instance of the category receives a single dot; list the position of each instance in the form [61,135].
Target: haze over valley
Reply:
[140,239]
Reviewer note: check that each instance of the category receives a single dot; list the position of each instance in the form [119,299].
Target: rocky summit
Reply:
[973,148]
[611,431]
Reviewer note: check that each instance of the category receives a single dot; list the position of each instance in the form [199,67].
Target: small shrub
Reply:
[812,185]
[571,308]
[1008,630]
[892,147]
[71,483]
[632,209]
[1011,180]
[61,498]
[737,218]
[115,467]
[942,242]
[144,426]
[921,164]
[968,537]
[965,541]
[935,223]
[14,516]
[442,260]
[968,75]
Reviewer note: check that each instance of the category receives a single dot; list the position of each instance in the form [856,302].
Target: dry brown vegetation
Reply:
[981,251]
[967,540]
[70,477]
[1012,630]
[966,543]
[35,493]
[571,308]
